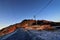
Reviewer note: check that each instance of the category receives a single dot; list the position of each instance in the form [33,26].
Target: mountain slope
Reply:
[11,32]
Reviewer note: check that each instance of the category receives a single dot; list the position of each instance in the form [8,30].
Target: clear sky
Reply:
[14,11]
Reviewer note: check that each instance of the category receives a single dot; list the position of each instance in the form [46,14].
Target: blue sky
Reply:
[14,11]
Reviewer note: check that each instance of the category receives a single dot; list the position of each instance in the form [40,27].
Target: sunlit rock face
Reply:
[42,27]
[29,25]
[45,27]
[7,30]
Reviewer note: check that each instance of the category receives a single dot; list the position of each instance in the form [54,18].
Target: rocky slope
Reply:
[29,24]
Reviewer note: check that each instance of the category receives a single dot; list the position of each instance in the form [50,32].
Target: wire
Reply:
[44,7]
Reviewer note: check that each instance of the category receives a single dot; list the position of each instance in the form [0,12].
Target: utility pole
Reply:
[35,19]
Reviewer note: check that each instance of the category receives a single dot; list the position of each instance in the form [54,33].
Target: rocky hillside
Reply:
[30,24]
